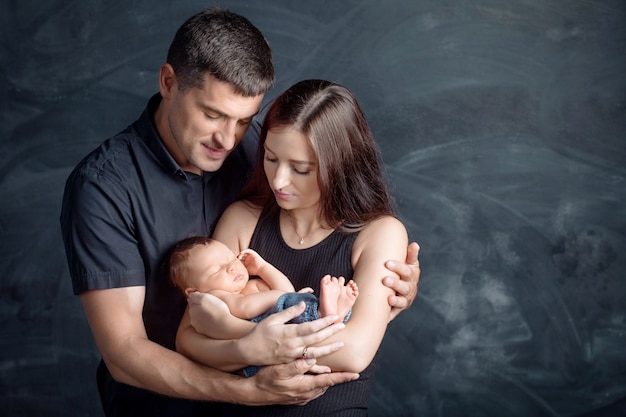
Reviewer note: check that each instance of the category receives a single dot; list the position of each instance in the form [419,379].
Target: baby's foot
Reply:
[329,294]
[347,298]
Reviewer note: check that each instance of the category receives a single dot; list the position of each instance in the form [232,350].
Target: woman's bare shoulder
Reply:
[242,210]
[385,236]
[385,225]
[237,224]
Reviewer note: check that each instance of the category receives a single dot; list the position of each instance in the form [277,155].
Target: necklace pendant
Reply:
[301,241]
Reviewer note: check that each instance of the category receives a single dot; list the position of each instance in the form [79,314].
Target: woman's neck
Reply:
[303,228]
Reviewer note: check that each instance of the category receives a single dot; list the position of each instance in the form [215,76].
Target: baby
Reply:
[207,265]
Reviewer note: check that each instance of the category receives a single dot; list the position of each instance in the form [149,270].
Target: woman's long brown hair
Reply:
[350,173]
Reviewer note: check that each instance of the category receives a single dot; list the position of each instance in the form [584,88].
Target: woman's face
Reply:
[291,169]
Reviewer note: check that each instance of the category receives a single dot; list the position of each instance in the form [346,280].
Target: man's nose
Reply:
[227,135]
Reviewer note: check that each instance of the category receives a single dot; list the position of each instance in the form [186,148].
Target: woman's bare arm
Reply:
[210,316]
[270,342]
[384,239]
[236,226]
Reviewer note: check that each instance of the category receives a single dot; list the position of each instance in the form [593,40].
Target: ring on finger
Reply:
[304,352]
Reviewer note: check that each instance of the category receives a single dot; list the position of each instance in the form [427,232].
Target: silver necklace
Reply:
[301,241]
[293,225]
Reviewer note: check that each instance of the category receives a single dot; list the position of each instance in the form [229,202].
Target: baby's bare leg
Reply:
[335,297]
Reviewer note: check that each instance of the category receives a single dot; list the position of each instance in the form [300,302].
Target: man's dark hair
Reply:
[226,46]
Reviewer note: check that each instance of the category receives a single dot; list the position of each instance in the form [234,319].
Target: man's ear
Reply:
[168,81]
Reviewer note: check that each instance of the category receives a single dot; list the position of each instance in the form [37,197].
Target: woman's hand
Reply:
[206,311]
[406,286]
[274,342]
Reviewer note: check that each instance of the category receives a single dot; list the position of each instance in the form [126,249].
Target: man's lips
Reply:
[214,152]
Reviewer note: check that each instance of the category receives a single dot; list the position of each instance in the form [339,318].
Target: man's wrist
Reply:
[247,392]
[238,390]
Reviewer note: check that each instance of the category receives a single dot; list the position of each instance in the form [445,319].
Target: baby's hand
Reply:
[252,261]
[306,290]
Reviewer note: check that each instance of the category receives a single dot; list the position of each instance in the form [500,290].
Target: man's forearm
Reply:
[152,367]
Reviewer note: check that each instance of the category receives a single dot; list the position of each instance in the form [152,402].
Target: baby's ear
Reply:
[189,291]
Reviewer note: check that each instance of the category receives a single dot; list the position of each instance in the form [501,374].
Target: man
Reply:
[168,176]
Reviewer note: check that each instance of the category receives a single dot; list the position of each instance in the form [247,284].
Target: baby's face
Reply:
[215,267]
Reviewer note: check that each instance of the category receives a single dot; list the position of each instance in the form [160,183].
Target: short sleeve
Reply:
[97,227]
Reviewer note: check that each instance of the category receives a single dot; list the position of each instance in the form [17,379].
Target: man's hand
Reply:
[290,383]
[406,286]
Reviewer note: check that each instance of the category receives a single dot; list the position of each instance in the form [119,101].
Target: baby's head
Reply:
[204,264]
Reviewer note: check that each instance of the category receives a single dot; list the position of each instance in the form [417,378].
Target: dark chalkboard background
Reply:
[503,125]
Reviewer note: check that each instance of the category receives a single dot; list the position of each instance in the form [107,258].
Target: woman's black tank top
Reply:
[305,268]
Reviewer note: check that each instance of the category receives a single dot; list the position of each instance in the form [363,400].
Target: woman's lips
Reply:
[282,196]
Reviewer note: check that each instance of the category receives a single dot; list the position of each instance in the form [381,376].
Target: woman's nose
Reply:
[281,179]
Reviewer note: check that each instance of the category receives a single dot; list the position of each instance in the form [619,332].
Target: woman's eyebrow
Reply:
[293,161]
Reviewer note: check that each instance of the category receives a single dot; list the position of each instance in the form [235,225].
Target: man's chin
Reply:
[213,165]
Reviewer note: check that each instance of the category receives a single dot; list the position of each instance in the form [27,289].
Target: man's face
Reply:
[204,124]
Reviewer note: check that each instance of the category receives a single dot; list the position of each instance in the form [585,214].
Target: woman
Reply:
[318,205]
